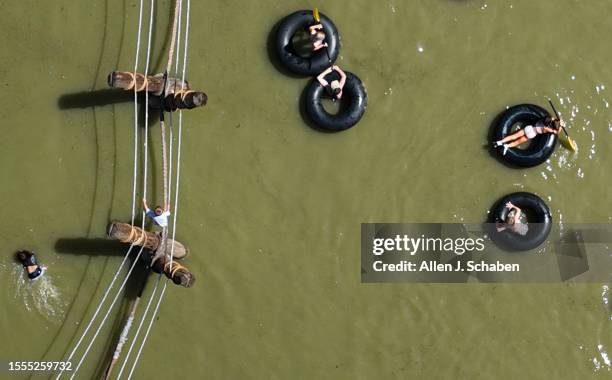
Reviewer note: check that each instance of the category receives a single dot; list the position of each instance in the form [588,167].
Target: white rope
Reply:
[136,111]
[163,291]
[97,309]
[186,43]
[134,182]
[133,199]
[178,47]
[146,121]
[144,339]
[176,198]
[93,339]
[146,311]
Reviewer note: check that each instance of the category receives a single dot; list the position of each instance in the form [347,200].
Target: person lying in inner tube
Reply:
[159,216]
[30,264]
[335,87]
[513,221]
[546,125]
[317,37]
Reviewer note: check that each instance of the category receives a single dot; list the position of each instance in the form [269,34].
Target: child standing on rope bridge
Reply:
[159,216]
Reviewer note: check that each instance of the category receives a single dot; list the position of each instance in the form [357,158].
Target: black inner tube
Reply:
[352,105]
[319,60]
[541,147]
[539,222]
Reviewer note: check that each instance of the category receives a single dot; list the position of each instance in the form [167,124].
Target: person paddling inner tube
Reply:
[30,264]
[346,88]
[324,41]
[537,125]
[522,221]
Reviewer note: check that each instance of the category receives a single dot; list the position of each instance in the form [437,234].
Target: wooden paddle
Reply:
[571,143]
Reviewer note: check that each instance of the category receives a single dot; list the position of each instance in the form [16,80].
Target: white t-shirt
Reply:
[160,220]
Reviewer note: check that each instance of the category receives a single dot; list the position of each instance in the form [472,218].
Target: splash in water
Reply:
[605,298]
[39,295]
[603,361]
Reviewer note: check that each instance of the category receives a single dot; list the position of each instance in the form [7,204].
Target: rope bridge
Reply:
[169,94]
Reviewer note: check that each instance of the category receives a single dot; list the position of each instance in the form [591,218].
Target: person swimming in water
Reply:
[337,84]
[317,37]
[30,264]
[546,125]
[159,216]
[513,221]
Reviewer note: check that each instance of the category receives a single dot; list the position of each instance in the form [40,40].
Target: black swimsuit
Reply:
[334,75]
[35,274]
[31,261]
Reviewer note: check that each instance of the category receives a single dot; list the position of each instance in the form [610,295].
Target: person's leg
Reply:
[518,142]
[514,143]
[516,135]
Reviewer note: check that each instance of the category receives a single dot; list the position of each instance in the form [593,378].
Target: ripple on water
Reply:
[40,295]
[601,360]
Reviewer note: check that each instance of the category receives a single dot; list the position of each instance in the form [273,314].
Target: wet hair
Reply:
[333,91]
[22,255]
[510,218]
[550,121]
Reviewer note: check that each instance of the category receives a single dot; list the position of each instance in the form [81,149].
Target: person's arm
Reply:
[342,76]
[551,130]
[314,28]
[146,206]
[517,215]
[321,77]
[561,125]
[500,226]
[319,45]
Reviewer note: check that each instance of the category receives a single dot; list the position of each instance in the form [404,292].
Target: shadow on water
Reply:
[94,247]
[111,96]
[86,99]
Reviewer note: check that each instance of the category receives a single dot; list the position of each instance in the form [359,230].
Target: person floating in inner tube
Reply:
[513,221]
[546,125]
[337,84]
[159,216]
[317,37]
[30,264]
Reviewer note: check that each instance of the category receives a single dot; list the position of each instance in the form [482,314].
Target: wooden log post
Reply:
[179,93]
[126,234]
[174,271]
[179,274]
[185,99]
[154,83]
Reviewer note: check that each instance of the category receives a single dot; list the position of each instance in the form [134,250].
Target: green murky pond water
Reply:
[271,209]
